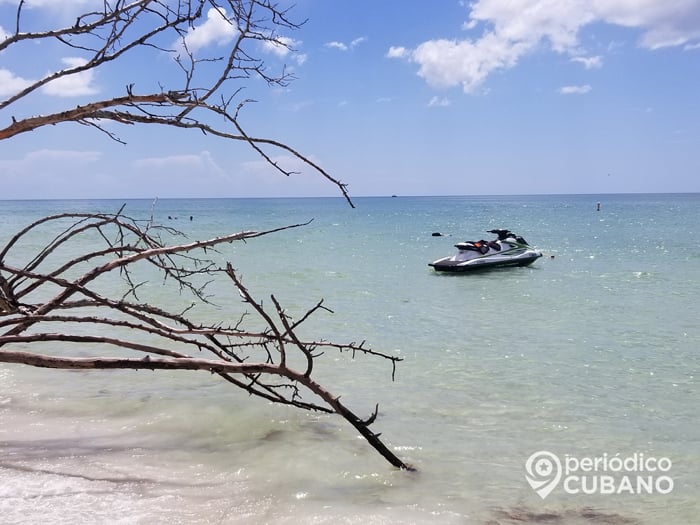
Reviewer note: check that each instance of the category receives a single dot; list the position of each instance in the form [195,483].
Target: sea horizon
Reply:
[341,197]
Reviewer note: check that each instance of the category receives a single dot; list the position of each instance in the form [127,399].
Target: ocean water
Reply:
[591,352]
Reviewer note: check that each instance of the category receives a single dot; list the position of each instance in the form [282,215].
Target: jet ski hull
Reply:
[449,264]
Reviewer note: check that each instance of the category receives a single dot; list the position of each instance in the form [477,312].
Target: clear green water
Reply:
[594,351]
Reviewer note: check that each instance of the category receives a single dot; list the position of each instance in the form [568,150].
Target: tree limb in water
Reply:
[43,301]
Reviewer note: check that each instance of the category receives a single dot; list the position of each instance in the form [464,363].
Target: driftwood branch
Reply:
[256,360]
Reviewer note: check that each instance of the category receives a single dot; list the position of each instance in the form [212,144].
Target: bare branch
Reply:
[256,360]
[207,86]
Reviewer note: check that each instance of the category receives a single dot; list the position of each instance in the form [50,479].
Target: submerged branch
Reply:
[256,360]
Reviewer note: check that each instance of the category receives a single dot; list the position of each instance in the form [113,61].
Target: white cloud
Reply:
[271,182]
[60,155]
[187,174]
[59,12]
[575,90]
[448,63]
[48,173]
[663,24]
[262,167]
[589,62]
[438,102]
[11,84]
[283,47]
[216,29]
[63,4]
[336,45]
[398,52]
[511,29]
[198,162]
[74,85]
[342,46]
[67,7]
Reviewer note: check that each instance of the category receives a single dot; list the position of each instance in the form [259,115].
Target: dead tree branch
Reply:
[56,290]
[206,84]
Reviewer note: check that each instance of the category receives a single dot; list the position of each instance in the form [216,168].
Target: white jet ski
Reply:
[507,250]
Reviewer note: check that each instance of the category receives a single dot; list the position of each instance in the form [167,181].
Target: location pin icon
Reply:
[543,472]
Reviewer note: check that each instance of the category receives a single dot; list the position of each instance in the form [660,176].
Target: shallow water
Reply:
[592,352]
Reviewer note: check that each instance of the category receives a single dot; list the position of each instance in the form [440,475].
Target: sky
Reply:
[488,97]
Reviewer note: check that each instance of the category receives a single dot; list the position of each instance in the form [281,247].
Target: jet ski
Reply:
[508,249]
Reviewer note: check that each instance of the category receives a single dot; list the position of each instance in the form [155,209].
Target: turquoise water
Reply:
[591,351]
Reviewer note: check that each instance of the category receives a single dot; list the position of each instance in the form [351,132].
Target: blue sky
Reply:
[396,97]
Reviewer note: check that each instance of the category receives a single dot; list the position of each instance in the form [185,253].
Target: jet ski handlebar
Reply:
[504,234]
